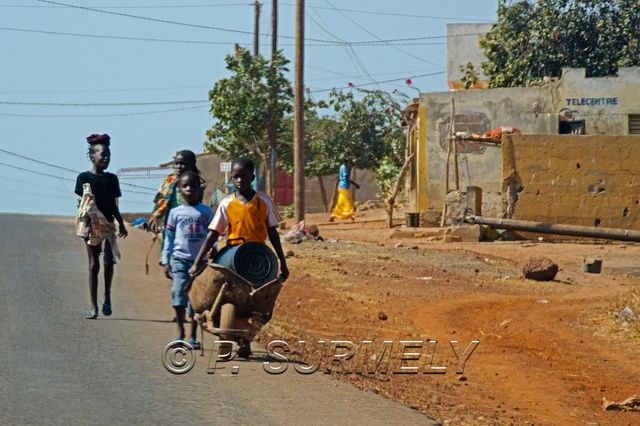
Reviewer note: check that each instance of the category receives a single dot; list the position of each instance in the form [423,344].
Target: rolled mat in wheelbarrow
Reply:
[255,262]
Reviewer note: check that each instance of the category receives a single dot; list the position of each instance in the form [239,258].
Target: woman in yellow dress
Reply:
[344,208]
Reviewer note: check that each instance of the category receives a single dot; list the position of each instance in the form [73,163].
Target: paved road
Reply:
[56,367]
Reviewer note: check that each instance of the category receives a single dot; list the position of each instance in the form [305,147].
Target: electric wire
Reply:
[117,37]
[166,21]
[355,86]
[404,15]
[60,177]
[353,56]
[151,6]
[122,114]
[102,104]
[198,42]
[191,6]
[55,166]
[354,22]
[184,24]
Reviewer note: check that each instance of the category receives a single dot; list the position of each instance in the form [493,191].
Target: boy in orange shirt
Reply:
[245,215]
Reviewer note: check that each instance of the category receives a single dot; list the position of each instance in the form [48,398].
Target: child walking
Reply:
[185,232]
[245,215]
[106,190]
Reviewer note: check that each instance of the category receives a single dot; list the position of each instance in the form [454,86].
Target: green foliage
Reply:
[244,104]
[386,175]
[470,75]
[365,125]
[534,39]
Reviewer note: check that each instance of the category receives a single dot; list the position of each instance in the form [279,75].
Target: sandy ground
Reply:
[548,352]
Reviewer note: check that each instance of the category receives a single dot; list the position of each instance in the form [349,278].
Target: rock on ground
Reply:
[540,269]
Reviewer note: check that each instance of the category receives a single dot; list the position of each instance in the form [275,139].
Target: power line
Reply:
[24,157]
[64,178]
[103,104]
[116,37]
[397,40]
[404,15]
[379,38]
[206,27]
[165,21]
[122,114]
[189,6]
[55,166]
[341,74]
[140,89]
[355,86]
[184,41]
[151,6]
[353,56]
[70,197]
[36,172]
[50,188]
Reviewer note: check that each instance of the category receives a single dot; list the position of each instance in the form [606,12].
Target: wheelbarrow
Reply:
[235,297]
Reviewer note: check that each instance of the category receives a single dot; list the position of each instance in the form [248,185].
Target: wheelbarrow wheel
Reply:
[227,321]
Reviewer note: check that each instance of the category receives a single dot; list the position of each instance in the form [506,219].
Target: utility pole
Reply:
[273,137]
[298,128]
[256,28]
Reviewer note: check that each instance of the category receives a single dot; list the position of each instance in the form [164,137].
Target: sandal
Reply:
[244,348]
[194,343]
[90,314]
[106,309]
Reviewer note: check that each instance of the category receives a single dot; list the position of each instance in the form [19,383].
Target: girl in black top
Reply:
[105,188]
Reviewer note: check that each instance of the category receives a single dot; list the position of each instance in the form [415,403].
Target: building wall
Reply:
[313,195]
[603,103]
[569,179]
[209,165]
[463,47]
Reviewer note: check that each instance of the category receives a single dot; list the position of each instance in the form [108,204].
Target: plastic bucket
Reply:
[412,220]
[255,262]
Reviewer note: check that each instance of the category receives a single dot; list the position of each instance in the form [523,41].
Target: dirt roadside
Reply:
[549,352]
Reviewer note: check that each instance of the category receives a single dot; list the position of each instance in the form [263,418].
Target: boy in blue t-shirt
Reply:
[185,231]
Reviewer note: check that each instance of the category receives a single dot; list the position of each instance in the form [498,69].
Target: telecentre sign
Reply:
[592,101]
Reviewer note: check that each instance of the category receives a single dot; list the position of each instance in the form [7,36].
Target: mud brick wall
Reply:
[570,179]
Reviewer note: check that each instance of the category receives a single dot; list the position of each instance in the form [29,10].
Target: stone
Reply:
[382,316]
[465,233]
[540,269]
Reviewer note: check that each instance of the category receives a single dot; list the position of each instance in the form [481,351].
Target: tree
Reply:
[245,104]
[469,75]
[365,125]
[534,39]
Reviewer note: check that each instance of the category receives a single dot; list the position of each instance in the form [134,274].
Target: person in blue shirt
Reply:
[185,231]
[344,208]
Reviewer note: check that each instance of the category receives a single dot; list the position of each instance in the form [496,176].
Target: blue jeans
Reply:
[180,272]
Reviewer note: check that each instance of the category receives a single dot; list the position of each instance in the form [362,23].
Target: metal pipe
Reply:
[550,228]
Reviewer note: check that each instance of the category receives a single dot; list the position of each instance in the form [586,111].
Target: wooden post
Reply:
[256,28]
[455,143]
[450,139]
[273,137]
[298,127]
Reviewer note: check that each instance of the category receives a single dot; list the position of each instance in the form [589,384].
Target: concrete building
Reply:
[463,48]
[572,104]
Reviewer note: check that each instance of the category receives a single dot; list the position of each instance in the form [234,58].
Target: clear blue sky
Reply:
[49,68]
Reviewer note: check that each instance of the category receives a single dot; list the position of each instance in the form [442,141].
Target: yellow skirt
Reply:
[344,207]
